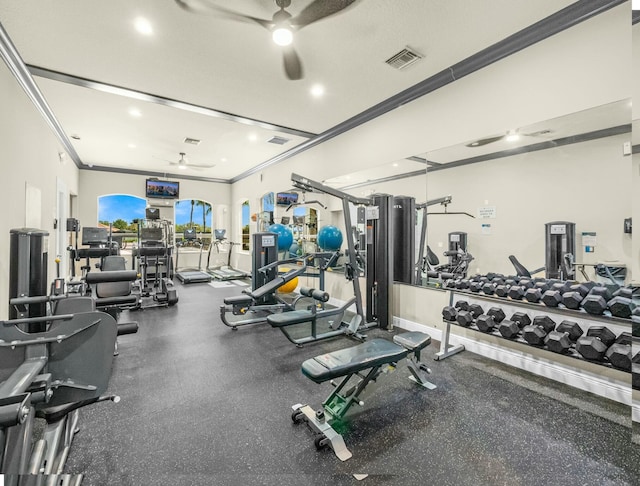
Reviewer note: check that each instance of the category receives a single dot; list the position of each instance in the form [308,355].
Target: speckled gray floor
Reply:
[205,405]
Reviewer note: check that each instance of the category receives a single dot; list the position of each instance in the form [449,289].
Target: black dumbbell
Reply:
[601,290]
[509,329]
[476,310]
[543,285]
[462,284]
[502,290]
[449,313]
[510,281]
[635,371]
[462,305]
[562,287]
[619,353]
[498,280]
[450,284]
[521,319]
[594,304]
[582,288]
[526,283]
[516,292]
[621,305]
[533,295]
[558,342]
[571,328]
[552,298]
[594,345]
[497,313]
[572,299]
[537,331]
[489,288]
[464,318]
[475,286]
[485,323]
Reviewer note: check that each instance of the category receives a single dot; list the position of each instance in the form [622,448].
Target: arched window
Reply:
[194,214]
[245,216]
[122,212]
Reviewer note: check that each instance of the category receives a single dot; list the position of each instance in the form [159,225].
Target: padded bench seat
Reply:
[290,318]
[239,300]
[116,300]
[412,341]
[351,360]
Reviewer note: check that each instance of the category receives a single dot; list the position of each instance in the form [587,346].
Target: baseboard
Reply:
[610,388]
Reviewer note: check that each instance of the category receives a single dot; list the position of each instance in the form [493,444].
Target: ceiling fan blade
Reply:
[292,63]
[320,9]
[199,166]
[484,141]
[205,6]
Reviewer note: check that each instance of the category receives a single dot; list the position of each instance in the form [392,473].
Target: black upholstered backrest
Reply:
[113,289]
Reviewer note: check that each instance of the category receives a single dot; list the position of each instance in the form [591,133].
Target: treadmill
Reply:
[224,272]
[191,275]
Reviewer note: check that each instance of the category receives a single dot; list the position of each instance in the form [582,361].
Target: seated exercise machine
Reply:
[226,272]
[358,367]
[50,366]
[191,275]
[253,306]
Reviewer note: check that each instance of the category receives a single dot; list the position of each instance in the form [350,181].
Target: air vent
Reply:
[404,58]
[539,133]
[278,140]
[192,141]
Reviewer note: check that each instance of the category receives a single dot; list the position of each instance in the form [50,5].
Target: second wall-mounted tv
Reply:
[162,189]
[286,198]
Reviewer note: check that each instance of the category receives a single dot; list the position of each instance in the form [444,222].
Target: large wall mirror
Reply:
[508,189]
[482,201]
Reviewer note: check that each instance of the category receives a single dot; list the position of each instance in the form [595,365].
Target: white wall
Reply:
[587,183]
[29,155]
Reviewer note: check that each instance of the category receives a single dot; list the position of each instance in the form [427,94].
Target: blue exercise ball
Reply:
[329,238]
[294,250]
[285,236]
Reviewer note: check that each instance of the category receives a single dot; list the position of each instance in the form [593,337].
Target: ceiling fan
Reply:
[183,163]
[282,25]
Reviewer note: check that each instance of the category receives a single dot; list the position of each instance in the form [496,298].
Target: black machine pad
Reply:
[412,341]
[351,360]
[239,300]
[289,318]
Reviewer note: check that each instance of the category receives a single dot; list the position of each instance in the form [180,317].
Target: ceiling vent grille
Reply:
[278,140]
[403,59]
[192,141]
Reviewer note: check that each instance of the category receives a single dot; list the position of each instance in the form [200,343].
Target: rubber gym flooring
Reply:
[205,405]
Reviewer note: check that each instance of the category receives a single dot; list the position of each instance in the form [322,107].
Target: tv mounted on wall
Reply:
[286,198]
[162,189]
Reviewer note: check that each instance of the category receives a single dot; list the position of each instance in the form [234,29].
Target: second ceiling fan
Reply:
[282,25]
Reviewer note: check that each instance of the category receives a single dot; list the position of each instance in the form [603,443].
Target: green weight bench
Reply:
[358,366]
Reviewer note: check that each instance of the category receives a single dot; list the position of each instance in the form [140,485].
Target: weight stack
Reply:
[560,240]
[28,255]
[403,234]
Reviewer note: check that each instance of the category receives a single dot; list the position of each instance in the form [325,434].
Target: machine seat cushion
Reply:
[268,288]
[239,300]
[351,360]
[290,318]
[116,300]
[412,341]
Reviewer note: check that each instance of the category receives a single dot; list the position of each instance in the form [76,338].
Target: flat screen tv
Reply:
[286,198]
[162,189]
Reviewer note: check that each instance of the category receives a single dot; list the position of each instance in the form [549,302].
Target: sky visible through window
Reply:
[120,206]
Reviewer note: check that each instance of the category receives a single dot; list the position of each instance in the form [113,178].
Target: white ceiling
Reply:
[212,61]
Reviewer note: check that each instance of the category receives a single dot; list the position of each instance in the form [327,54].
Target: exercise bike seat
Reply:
[351,360]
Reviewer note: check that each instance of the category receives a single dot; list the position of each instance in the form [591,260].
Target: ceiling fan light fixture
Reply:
[182,166]
[282,36]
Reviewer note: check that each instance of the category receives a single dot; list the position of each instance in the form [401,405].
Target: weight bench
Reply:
[364,363]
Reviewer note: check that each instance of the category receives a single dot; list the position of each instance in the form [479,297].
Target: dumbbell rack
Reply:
[509,306]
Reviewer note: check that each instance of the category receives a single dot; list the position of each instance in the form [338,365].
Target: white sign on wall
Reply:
[487,212]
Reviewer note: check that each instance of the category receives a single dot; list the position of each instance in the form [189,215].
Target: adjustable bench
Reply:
[365,363]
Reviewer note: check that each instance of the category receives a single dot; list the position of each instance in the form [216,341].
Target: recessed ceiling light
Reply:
[253,137]
[131,145]
[143,26]
[395,164]
[182,166]
[512,136]
[223,159]
[317,90]
[135,112]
